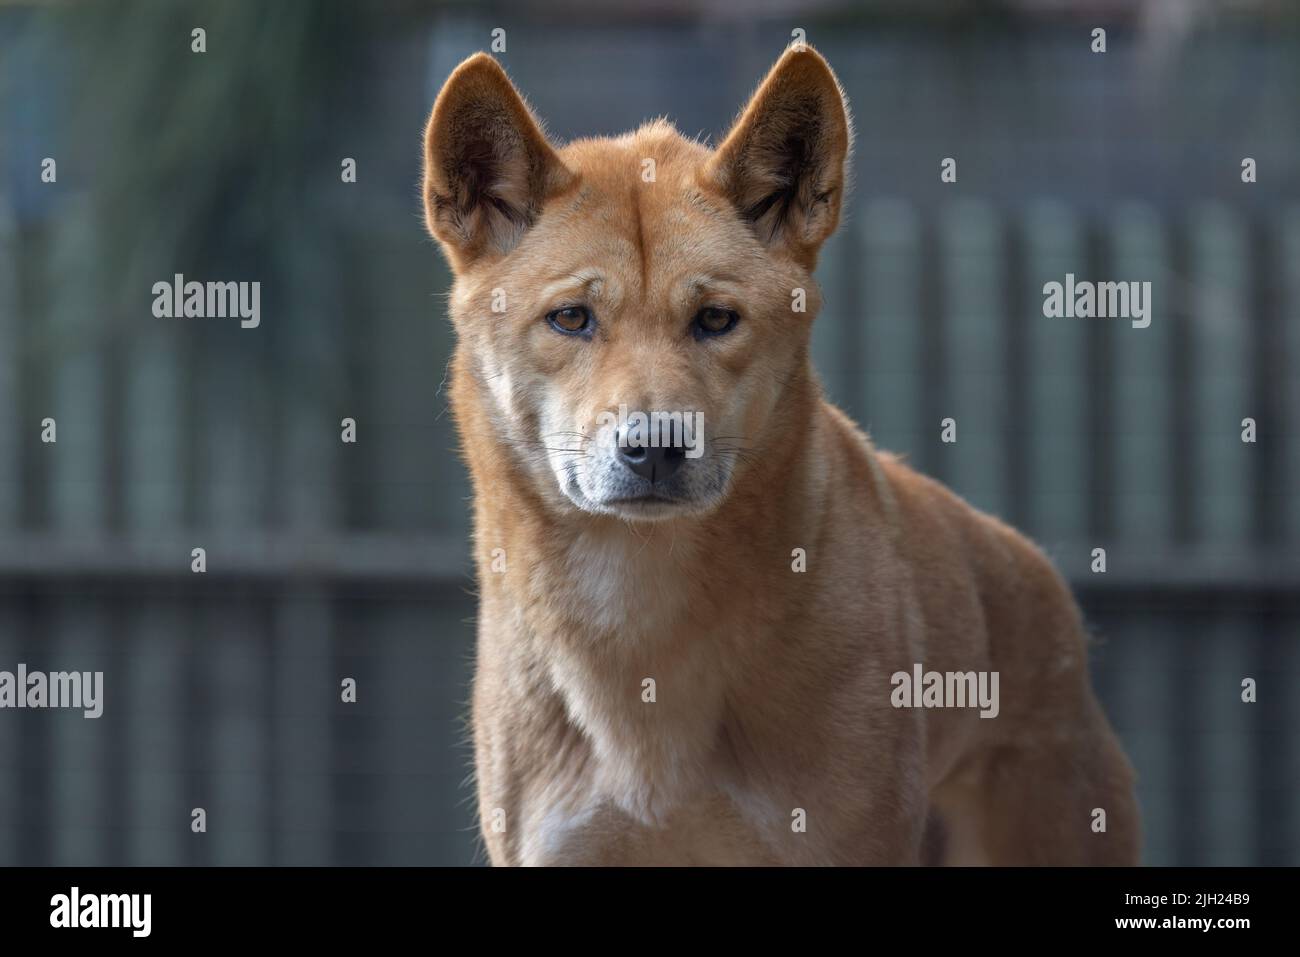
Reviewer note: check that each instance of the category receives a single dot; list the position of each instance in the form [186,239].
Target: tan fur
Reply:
[773,686]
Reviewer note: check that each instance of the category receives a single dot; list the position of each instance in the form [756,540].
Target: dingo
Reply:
[688,660]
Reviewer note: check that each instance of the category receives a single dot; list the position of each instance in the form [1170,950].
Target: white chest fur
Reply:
[642,680]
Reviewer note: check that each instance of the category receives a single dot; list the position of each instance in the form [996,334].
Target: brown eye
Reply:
[714,321]
[571,320]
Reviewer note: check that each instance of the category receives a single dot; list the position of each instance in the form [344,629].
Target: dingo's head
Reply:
[632,311]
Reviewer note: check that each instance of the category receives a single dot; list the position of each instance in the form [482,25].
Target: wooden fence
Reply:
[329,560]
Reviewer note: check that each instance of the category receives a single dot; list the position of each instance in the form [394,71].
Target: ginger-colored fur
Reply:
[771,687]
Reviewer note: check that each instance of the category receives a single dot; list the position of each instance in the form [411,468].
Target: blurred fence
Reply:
[222,689]
[1085,430]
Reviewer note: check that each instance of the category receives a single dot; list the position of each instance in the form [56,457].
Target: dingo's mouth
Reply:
[649,507]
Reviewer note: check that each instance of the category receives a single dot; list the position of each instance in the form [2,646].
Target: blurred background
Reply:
[328,560]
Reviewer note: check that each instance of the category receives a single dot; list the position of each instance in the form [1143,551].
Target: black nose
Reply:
[655,463]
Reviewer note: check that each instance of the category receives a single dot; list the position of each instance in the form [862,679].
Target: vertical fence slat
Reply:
[237,450]
[304,691]
[891,324]
[234,658]
[1058,387]
[237,676]
[401,456]
[973,268]
[79,816]
[11,430]
[153,506]
[308,455]
[11,819]
[77,486]
[392,807]
[1227,776]
[1143,386]
[11,433]
[154,490]
[155,721]
[309,499]
[409,751]
[1141,651]
[1285,776]
[1221,326]
[1288,262]
[80,748]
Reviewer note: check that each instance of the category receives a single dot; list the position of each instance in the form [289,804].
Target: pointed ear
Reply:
[784,163]
[487,164]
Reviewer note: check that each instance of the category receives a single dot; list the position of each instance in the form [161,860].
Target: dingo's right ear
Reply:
[487,164]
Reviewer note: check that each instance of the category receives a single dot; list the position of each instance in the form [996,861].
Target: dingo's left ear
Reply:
[487,164]
[784,163]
